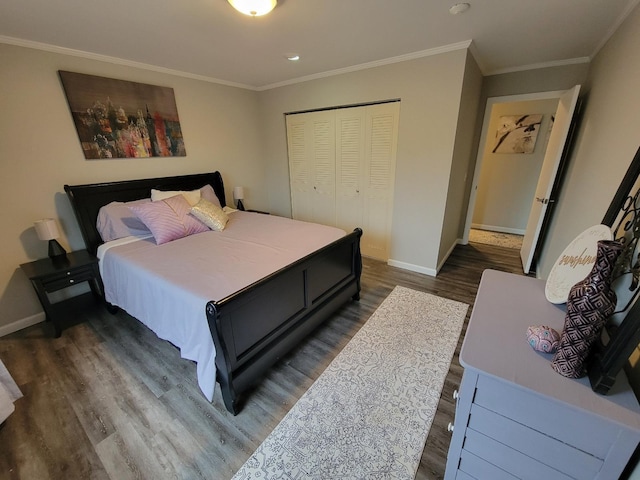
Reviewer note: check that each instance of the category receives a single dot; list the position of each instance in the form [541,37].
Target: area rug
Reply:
[500,239]
[368,414]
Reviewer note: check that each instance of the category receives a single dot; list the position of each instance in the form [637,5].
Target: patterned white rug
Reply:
[369,413]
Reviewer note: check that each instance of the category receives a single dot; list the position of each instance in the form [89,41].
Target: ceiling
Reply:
[208,39]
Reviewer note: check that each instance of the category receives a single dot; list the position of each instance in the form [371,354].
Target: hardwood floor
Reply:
[109,400]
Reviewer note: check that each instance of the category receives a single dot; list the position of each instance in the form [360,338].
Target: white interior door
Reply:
[552,158]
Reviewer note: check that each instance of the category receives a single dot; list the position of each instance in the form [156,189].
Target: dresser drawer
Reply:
[589,433]
[463,476]
[478,469]
[68,278]
[545,450]
[509,460]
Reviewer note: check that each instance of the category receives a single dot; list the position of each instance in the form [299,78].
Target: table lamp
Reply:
[47,229]
[238,195]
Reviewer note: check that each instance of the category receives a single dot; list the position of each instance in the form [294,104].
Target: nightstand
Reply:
[48,276]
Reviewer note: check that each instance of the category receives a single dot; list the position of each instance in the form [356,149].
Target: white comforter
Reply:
[167,286]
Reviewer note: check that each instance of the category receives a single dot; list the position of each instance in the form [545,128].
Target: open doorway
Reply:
[517,137]
[511,170]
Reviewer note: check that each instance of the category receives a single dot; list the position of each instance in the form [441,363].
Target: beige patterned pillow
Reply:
[210,214]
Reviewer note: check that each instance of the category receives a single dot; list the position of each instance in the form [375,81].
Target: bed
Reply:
[249,327]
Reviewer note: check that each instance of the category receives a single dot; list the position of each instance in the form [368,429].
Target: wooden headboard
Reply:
[87,200]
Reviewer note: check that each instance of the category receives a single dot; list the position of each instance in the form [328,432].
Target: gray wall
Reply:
[239,132]
[40,152]
[430,92]
[606,142]
[463,161]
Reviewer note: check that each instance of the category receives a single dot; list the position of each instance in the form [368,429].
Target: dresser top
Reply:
[496,345]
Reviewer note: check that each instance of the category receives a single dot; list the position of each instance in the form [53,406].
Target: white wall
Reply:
[40,152]
[430,91]
[507,181]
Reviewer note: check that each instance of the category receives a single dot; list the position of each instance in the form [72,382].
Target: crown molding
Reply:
[378,63]
[535,66]
[115,60]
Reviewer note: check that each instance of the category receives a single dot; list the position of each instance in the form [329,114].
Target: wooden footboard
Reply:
[255,327]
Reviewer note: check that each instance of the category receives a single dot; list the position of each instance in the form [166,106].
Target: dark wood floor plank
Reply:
[109,400]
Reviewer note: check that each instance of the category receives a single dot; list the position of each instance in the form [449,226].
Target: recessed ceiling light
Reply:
[459,8]
[293,57]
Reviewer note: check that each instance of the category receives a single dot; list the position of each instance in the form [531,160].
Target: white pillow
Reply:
[193,196]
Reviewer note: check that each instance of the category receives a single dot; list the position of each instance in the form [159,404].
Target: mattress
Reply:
[167,286]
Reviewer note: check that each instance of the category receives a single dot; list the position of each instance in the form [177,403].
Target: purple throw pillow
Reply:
[169,219]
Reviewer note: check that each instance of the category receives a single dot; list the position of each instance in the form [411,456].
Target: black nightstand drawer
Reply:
[66,279]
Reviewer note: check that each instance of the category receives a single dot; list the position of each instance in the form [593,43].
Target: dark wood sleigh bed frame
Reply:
[254,327]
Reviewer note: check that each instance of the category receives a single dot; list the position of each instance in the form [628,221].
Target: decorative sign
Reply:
[575,263]
[517,134]
[121,119]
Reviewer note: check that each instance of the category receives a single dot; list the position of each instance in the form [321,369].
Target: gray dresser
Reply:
[518,419]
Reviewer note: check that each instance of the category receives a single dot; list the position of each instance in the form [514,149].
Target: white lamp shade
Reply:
[255,8]
[238,193]
[47,229]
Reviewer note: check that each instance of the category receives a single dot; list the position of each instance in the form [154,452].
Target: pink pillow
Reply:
[209,195]
[168,219]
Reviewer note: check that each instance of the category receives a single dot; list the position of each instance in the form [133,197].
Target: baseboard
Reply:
[413,268]
[22,323]
[424,270]
[494,228]
[446,256]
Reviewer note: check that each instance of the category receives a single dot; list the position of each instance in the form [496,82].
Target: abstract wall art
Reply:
[122,119]
[517,133]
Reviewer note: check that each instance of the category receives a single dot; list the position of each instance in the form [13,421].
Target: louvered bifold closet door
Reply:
[299,143]
[379,173]
[324,168]
[312,166]
[350,160]
[342,168]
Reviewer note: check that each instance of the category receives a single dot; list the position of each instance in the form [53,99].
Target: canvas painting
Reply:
[517,133]
[122,119]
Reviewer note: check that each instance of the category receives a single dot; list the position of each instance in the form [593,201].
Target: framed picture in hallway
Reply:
[517,133]
[122,119]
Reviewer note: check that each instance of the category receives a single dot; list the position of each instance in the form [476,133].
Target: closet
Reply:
[342,170]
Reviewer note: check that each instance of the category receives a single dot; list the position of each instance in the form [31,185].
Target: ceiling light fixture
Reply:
[254,8]
[459,8]
[293,57]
